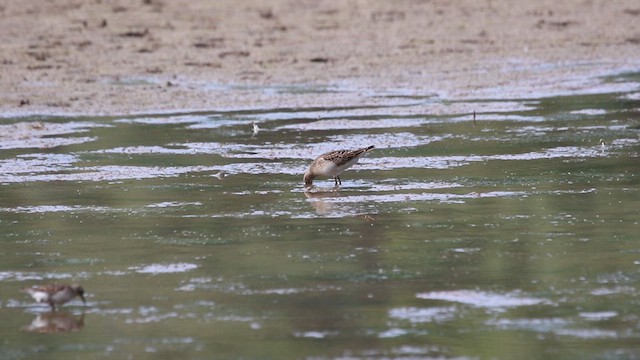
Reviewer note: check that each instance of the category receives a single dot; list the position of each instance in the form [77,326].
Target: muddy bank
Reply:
[148,56]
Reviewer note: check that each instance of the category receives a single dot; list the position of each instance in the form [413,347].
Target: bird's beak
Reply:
[83,300]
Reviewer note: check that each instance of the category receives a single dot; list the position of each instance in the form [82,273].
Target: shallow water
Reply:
[511,235]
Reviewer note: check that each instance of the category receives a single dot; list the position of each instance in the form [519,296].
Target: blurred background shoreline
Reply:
[66,57]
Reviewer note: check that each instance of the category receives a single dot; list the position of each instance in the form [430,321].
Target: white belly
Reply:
[39,296]
[330,169]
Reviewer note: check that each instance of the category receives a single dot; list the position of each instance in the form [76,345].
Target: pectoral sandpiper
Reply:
[332,164]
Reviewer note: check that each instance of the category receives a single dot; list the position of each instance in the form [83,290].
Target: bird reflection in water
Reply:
[318,201]
[55,322]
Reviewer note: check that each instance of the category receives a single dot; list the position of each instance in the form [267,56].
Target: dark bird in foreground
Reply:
[55,294]
[332,164]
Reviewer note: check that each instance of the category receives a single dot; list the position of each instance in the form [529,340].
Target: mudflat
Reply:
[105,57]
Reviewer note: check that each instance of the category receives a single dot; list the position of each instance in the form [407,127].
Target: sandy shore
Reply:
[147,56]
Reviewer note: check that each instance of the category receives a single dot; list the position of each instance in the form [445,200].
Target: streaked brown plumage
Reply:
[332,164]
[55,294]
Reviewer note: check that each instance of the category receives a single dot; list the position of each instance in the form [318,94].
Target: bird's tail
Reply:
[359,152]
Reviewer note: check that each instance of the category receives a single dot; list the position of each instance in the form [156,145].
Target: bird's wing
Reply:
[49,288]
[341,157]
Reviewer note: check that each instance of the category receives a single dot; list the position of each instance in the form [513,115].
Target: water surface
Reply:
[513,233]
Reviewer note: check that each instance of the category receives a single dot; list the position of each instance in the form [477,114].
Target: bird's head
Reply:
[308,179]
[79,290]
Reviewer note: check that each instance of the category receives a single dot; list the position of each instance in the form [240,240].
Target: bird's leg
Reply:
[339,181]
[335,178]
[53,307]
